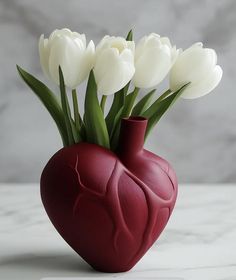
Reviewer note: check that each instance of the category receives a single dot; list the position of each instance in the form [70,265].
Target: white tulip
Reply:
[198,66]
[114,65]
[66,49]
[154,57]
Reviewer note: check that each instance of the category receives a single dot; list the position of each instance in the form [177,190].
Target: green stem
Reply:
[103,102]
[117,104]
[73,134]
[129,102]
[64,103]
[77,118]
[143,103]
[128,106]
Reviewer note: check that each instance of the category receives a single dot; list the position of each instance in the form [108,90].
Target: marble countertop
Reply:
[199,242]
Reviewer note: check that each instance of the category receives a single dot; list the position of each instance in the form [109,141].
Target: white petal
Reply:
[56,58]
[152,42]
[65,31]
[104,43]
[165,41]
[174,54]
[67,49]
[131,46]
[112,72]
[53,34]
[87,63]
[152,67]
[79,36]
[198,44]
[127,57]
[79,61]
[153,60]
[192,65]
[154,35]
[140,46]
[44,54]
[63,53]
[205,86]
[102,63]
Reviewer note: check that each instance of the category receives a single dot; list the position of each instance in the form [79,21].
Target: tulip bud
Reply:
[114,65]
[66,49]
[154,57]
[198,66]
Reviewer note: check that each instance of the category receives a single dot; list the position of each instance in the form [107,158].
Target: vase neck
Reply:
[132,134]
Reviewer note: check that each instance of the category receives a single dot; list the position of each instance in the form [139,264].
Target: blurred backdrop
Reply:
[198,137]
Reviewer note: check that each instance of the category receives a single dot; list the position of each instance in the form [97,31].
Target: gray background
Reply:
[198,137]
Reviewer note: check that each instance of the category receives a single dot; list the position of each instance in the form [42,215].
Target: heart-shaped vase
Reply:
[110,208]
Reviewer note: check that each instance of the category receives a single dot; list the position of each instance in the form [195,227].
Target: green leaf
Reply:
[116,122]
[157,109]
[95,125]
[153,108]
[129,102]
[125,90]
[116,131]
[130,36]
[73,134]
[77,118]
[123,112]
[118,102]
[83,131]
[143,104]
[103,102]
[164,95]
[48,99]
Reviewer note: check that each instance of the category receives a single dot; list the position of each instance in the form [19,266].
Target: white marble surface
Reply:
[199,242]
[200,131]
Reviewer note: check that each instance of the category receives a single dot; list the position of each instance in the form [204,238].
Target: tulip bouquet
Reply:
[109,198]
[117,67]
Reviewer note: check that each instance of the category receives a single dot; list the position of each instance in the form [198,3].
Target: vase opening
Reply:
[137,119]
[132,134]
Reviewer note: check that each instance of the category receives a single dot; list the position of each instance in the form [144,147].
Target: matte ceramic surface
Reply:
[110,208]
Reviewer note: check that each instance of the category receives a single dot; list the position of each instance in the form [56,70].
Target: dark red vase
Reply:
[110,208]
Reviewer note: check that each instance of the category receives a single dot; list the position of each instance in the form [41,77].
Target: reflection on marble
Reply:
[200,132]
[198,243]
